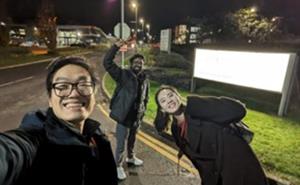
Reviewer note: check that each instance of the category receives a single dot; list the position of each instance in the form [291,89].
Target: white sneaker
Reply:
[121,173]
[135,161]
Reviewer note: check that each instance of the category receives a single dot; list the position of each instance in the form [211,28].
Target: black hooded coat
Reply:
[46,150]
[220,156]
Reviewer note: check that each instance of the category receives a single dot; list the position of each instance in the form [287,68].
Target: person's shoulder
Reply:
[93,128]
[144,75]
[101,138]
[34,119]
[216,109]
[211,99]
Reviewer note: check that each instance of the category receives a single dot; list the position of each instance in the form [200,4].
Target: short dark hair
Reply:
[135,57]
[60,62]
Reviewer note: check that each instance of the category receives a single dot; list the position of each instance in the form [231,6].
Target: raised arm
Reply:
[17,152]
[111,67]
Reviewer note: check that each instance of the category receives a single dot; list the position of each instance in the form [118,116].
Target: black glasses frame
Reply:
[74,86]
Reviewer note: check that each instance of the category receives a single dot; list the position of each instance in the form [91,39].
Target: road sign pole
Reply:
[122,30]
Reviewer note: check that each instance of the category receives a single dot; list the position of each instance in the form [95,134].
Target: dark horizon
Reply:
[160,14]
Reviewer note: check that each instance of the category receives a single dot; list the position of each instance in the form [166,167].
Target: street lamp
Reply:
[274,19]
[135,6]
[253,9]
[148,27]
[142,23]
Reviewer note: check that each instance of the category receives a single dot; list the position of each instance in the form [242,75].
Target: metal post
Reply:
[136,19]
[287,86]
[122,30]
[193,80]
[192,87]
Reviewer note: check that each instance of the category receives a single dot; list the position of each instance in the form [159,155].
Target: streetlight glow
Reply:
[135,7]
[253,9]
[148,28]
[142,22]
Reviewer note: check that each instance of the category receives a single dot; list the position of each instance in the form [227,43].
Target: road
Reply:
[22,89]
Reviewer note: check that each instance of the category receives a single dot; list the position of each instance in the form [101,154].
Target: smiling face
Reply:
[137,65]
[73,108]
[168,100]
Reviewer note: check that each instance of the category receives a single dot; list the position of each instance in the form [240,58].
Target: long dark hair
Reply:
[163,119]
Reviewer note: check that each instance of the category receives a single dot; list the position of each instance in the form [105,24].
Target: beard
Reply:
[136,69]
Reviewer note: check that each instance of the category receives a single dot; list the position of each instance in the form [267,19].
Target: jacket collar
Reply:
[141,75]
[61,132]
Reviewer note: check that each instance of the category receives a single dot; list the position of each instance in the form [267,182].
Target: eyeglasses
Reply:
[64,89]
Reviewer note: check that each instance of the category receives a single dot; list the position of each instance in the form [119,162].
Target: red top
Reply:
[183,129]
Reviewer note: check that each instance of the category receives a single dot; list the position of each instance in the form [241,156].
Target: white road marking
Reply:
[27,64]
[16,81]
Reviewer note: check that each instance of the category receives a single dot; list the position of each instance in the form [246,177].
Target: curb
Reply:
[39,61]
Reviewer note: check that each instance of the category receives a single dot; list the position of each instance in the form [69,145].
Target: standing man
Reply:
[127,105]
[61,145]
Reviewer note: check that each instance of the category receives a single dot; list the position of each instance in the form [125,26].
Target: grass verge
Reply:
[18,55]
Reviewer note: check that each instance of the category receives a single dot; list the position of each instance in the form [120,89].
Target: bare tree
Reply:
[46,23]
[4,20]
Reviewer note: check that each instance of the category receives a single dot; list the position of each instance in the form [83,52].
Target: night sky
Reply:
[159,13]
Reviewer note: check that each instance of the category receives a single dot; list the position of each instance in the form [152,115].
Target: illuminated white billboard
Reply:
[165,40]
[266,71]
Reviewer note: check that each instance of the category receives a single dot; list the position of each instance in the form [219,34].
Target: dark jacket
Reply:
[126,91]
[221,157]
[46,150]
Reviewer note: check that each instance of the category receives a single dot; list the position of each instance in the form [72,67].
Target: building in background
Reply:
[67,35]
[17,34]
[181,34]
[193,31]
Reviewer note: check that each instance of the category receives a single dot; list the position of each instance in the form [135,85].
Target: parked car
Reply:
[29,44]
[80,44]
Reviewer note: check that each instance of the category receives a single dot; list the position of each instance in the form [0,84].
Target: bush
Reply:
[166,76]
[172,60]
[147,53]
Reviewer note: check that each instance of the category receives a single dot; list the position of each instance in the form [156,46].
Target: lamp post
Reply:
[122,31]
[142,23]
[135,6]
[148,27]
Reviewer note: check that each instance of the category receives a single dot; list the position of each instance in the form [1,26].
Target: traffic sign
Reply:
[124,48]
[126,31]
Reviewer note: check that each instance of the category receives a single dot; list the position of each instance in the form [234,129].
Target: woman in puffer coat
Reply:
[201,131]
